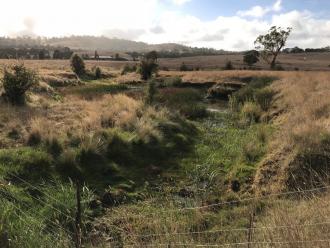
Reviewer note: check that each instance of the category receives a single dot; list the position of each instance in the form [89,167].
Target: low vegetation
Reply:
[156,158]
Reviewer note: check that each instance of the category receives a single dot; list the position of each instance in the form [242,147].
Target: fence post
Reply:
[250,232]
[78,216]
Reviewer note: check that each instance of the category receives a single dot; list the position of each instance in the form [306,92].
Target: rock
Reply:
[235,186]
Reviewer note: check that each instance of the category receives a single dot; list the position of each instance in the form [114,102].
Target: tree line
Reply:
[35,53]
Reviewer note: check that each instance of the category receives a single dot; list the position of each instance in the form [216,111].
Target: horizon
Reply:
[229,26]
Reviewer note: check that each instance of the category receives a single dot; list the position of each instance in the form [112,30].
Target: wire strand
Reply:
[233,230]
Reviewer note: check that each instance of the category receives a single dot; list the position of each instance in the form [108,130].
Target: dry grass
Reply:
[302,222]
[302,106]
[310,61]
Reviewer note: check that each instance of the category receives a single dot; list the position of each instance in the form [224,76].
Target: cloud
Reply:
[29,26]
[259,11]
[157,30]
[128,34]
[180,2]
[237,32]
[150,21]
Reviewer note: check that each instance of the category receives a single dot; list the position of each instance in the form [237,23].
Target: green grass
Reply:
[224,150]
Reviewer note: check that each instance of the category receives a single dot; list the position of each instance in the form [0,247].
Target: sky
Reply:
[221,24]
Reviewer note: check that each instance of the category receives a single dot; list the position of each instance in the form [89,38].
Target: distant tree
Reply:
[147,68]
[57,54]
[152,55]
[42,54]
[78,65]
[135,56]
[16,82]
[184,67]
[96,55]
[272,43]
[297,50]
[229,65]
[117,57]
[251,57]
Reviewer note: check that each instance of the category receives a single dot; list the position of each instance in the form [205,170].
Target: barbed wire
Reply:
[233,230]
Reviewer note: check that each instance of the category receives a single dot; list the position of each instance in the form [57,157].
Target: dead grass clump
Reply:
[119,111]
[38,131]
[251,112]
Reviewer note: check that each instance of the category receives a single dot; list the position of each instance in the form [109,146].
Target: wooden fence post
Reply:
[78,216]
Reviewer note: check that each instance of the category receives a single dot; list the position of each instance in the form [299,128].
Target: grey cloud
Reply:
[212,37]
[157,30]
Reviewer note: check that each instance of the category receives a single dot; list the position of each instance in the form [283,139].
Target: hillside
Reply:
[100,43]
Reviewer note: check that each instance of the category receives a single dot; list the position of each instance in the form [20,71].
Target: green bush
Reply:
[150,92]
[254,91]
[78,65]
[147,68]
[264,97]
[17,81]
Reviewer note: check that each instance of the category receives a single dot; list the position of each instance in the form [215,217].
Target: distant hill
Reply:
[120,45]
[103,44]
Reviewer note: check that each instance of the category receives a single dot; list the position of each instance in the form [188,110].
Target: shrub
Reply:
[127,69]
[173,81]
[78,65]
[147,68]
[17,81]
[251,112]
[98,73]
[251,57]
[264,97]
[150,92]
[184,67]
[248,92]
